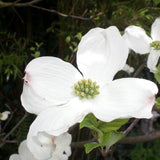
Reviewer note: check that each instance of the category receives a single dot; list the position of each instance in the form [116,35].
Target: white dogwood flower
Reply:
[62,95]
[45,147]
[4,115]
[140,42]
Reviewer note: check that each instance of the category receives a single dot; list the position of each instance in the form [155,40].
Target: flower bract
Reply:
[50,85]
[140,42]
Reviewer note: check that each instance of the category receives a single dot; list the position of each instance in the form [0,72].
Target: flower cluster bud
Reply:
[86,89]
[155,45]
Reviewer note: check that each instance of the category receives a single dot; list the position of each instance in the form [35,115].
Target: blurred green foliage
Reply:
[146,151]
[13,55]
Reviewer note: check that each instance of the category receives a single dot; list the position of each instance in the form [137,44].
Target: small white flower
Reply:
[128,69]
[24,153]
[4,115]
[45,147]
[140,42]
[61,95]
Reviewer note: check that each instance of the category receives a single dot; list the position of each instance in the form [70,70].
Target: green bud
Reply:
[80,82]
[86,90]
[89,81]
[82,94]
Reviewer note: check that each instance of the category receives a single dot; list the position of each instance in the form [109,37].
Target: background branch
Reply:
[126,140]
[131,126]
[3,140]
[59,13]
[144,138]
[31,4]
[16,4]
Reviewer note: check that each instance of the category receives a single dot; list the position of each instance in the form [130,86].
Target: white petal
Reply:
[63,149]
[24,152]
[155,30]
[60,154]
[44,138]
[33,102]
[63,140]
[55,121]
[4,115]
[44,151]
[101,54]
[40,150]
[14,157]
[48,81]
[137,39]
[153,60]
[125,98]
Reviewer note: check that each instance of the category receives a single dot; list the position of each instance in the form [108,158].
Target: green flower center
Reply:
[155,45]
[86,89]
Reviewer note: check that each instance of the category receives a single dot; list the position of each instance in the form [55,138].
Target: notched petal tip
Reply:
[27,78]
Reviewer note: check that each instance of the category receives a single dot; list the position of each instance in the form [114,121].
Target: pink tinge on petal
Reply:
[27,78]
[41,145]
[53,139]
[151,100]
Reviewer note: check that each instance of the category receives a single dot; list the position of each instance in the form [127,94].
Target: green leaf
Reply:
[68,39]
[75,49]
[32,49]
[88,121]
[37,53]
[105,140]
[158,102]
[113,125]
[157,75]
[71,48]
[79,36]
[90,146]
[66,58]
[106,132]
[111,138]
[75,44]
[36,43]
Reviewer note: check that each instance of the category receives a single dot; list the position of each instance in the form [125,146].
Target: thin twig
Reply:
[137,139]
[16,4]
[59,13]
[12,141]
[131,126]
[13,129]
[30,4]
[7,122]
[139,70]
[81,144]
